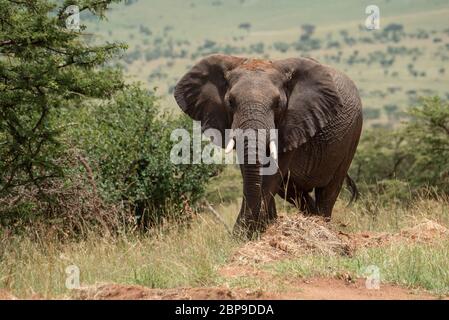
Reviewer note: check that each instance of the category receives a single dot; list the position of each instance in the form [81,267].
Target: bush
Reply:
[379,156]
[427,134]
[76,146]
[416,154]
[127,141]
[62,207]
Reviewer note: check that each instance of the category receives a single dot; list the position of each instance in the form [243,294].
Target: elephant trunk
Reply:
[251,149]
[248,221]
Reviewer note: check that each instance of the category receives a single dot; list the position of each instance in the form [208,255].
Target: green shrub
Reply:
[427,135]
[74,142]
[416,154]
[127,141]
[380,156]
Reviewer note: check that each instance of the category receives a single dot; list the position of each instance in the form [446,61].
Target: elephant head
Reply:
[295,96]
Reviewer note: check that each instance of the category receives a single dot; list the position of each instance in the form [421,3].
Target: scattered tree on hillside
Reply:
[307,31]
[371,113]
[245,26]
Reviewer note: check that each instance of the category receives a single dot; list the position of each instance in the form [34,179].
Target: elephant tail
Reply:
[353,189]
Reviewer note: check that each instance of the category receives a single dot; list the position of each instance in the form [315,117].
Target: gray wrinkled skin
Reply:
[318,114]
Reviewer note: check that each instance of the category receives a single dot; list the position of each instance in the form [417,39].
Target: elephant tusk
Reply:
[230,146]
[273,150]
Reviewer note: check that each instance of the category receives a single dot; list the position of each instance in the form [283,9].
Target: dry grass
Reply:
[373,214]
[177,257]
[192,256]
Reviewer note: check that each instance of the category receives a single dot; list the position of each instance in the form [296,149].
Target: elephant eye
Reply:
[231,102]
[277,102]
[282,101]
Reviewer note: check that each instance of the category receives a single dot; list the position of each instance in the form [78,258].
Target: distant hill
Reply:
[408,57]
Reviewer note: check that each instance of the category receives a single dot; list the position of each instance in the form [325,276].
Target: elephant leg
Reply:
[269,187]
[298,198]
[308,204]
[290,194]
[272,212]
[326,197]
[248,224]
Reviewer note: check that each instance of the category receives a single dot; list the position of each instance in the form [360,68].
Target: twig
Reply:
[219,218]
[90,174]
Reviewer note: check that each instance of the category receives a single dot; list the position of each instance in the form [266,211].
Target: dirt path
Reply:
[311,289]
[297,289]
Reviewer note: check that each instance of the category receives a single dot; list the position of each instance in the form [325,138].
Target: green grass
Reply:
[192,256]
[424,266]
[226,187]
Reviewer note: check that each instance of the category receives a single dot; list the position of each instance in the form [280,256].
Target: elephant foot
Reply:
[250,229]
[250,225]
[247,231]
[243,233]
[308,205]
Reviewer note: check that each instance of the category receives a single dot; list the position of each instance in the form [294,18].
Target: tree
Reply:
[45,67]
[393,32]
[77,146]
[308,30]
[281,46]
[380,155]
[258,47]
[392,111]
[245,26]
[428,140]
[371,113]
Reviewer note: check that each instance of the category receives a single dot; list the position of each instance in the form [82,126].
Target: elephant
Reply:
[316,110]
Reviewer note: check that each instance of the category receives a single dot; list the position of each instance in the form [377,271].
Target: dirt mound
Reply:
[295,235]
[5,295]
[425,231]
[131,292]
[292,236]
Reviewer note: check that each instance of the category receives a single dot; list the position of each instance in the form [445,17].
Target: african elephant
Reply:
[316,110]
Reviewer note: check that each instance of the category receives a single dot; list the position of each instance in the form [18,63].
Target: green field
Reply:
[166,37]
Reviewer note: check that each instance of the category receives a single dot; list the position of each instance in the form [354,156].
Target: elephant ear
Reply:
[201,92]
[313,101]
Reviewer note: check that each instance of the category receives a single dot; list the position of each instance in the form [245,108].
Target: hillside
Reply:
[393,66]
